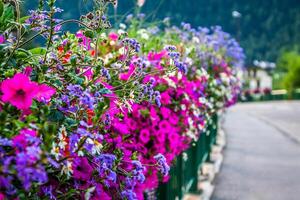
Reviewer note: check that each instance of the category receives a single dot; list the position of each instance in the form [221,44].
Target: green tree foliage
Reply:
[290,62]
[266,28]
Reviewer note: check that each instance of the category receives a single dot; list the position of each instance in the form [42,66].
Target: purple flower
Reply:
[106,162]
[48,190]
[5,142]
[157,101]
[88,100]
[74,139]
[162,164]
[105,73]
[28,171]
[83,132]
[107,159]
[111,175]
[132,43]
[82,170]
[75,90]
[138,172]
[128,194]
[57,28]
[129,18]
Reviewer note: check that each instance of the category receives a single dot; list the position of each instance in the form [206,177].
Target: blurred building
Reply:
[259,75]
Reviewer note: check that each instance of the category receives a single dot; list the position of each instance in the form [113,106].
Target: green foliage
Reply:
[1,7]
[266,27]
[290,62]
[6,15]
[38,51]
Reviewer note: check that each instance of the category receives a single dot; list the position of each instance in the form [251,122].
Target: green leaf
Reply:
[9,73]
[7,15]
[161,88]
[1,7]
[145,112]
[21,54]
[73,60]
[56,116]
[23,19]
[105,91]
[71,122]
[89,34]
[38,51]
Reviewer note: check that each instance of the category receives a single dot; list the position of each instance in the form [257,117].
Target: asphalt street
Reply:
[262,156]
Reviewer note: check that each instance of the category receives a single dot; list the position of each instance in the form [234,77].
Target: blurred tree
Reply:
[290,63]
[267,27]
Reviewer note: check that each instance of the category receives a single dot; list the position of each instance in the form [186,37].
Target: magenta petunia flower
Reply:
[113,36]
[152,56]
[166,112]
[19,91]
[144,136]
[2,39]
[100,193]
[126,76]
[165,98]
[2,197]
[44,92]
[27,71]
[82,170]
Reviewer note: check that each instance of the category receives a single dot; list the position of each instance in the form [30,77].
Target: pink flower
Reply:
[164,126]
[2,39]
[2,197]
[166,112]
[144,136]
[131,124]
[44,93]
[174,119]
[113,36]
[154,116]
[88,74]
[85,41]
[28,71]
[152,56]
[165,98]
[126,76]
[174,140]
[160,136]
[120,127]
[82,169]
[19,91]
[99,193]
[140,3]
[20,140]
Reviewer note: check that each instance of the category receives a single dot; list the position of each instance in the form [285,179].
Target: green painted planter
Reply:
[184,173]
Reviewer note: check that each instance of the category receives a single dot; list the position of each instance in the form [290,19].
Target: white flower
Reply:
[183,107]
[67,169]
[189,61]
[121,32]
[140,3]
[122,26]
[107,58]
[202,100]
[143,33]
[62,134]
[55,151]
[196,40]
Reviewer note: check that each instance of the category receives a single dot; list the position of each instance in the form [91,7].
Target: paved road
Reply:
[262,157]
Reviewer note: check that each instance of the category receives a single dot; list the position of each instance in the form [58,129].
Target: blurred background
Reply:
[267,30]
